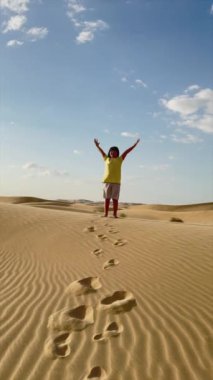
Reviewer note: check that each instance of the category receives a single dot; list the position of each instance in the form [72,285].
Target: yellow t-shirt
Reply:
[112,172]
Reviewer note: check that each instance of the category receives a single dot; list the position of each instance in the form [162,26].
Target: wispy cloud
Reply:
[74,7]
[36,170]
[77,152]
[192,88]
[186,138]
[194,110]
[32,165]
[17,6]
[140,83]
[133,83]
[211,10]
[37,33]
[129,134]
[13,43]
[87,28]
[124,79]
[14,23]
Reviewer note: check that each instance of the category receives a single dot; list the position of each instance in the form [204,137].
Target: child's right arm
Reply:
[99,148]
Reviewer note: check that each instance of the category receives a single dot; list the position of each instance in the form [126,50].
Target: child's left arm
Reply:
[129,149]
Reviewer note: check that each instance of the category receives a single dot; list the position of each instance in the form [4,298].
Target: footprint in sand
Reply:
[57,345]
[75,319]
[113,230]
[84,286]
[112,330]
[102,237]
[96,373]
[89,229]
[120,242]
[97,252]
[120,301]
[110,263]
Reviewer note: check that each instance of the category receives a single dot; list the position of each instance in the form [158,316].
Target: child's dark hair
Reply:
[114,148]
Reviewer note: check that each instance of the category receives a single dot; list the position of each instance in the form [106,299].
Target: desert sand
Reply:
[86,297]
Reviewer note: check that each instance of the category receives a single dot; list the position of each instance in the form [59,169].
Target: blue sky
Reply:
[115,70]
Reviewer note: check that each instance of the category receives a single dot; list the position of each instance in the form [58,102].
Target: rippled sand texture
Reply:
[149,316]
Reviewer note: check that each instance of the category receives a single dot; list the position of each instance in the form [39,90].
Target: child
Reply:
[112,175]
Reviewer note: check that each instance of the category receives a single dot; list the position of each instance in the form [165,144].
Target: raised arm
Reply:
[129,149]
[97,143]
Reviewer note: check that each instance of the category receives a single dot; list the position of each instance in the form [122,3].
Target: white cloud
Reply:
[195,111]
[74,7]
[89,28]
[193,87]
[183,104]
[211,10]
[17,6]
[187,105]
[203,123]
[13,43]
[37,33]
[15,23]
[171,157]
[129,134]
[32,165]
[140,83]
[33,169]
[85,36]
[94,25]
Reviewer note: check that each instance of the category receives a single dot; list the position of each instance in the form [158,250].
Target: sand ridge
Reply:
[152,312]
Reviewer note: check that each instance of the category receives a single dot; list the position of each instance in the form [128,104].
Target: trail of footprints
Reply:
[63,322]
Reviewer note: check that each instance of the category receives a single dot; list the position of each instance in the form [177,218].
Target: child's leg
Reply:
[106,206]
[115,207]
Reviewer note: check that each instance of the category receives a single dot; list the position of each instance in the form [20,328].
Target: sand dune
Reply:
[64,316]
[197,213]
[201,213]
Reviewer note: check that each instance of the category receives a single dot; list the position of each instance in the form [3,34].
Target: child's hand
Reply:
[96,142]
